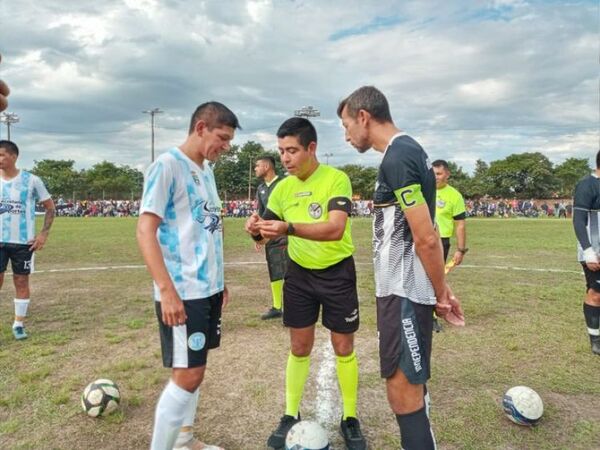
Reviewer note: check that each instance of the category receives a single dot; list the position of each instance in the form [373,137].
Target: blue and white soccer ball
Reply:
[100,398]
[307,435]
[523,405]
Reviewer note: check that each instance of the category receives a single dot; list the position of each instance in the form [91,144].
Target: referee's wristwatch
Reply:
[463,250]
[291,231]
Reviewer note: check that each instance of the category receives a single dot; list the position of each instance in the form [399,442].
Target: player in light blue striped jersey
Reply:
[180,235]
[19,192]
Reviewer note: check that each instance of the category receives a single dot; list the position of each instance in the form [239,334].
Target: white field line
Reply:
[326,400]
[262,263]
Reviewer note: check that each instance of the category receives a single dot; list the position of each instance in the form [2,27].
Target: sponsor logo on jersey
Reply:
[353,316]
[5,207]
[197,341]
[342,202]
[440,203]
[208,215]
[303,194]
[315,211]
[413,343]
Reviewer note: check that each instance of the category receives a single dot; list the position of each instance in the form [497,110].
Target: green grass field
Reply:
[520,286]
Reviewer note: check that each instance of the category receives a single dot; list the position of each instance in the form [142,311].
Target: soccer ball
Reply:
[523,405]
[306,435]
[100,398]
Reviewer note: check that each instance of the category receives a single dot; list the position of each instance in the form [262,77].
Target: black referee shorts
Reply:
[333,288]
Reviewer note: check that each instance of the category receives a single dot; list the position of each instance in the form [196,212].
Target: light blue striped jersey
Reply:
[18,197]
[184,195]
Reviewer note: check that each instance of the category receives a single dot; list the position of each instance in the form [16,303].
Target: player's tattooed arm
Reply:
[39,241]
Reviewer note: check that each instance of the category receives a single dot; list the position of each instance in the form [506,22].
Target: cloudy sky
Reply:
[468,78]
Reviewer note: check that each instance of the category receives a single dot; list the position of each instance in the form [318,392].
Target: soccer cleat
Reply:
[195,444]
[353,437]
[19,333]
[595,341]
[277,438]
[272,313]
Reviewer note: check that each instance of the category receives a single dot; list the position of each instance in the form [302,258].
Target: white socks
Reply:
[171,412]
[188,421]
[21,305]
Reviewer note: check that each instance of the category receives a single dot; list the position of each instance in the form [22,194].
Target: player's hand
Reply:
[591,259]
[273,228]
[449,308]
[4,91]
[258,247]
[38,242]
[226,297]
[173,311]
[458,258]
[252,222]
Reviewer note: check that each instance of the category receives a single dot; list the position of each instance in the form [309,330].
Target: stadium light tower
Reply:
[152,113]
[307,111]
[9,118]
[327,155]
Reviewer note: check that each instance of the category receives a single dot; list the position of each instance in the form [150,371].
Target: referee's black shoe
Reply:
[353,437]
[595,341]
[277,438]
[272,313]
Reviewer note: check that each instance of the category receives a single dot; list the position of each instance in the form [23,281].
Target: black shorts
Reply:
[21,258]
[405,335]
[446,247]
[592,279]
[187,345]
[277,259]
[305,290]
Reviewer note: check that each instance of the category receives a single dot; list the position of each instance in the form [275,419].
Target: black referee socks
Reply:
[592,316]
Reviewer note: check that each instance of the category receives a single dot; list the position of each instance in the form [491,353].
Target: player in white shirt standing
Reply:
[180,235]
[19,192]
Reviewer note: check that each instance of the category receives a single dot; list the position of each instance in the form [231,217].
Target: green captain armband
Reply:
[410,196]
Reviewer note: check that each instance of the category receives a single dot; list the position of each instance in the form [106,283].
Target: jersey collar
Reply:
[397,135]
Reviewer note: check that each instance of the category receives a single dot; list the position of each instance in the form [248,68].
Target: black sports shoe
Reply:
[353,437]
[277,438]
[595,341]
[272,313]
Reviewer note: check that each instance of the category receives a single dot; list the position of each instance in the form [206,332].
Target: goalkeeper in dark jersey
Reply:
[408,259]
[586,221]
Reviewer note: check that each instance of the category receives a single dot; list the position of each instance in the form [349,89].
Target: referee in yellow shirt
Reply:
[450,213]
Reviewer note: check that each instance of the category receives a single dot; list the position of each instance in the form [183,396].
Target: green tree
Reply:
[362,179]
[480,184]
[569,173]
[107,180]
[525,175]
[59,176]
[459,179]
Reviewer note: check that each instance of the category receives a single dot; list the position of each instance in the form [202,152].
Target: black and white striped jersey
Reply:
[398,269]
[586,215]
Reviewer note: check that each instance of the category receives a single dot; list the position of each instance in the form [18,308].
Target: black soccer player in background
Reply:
[586,221]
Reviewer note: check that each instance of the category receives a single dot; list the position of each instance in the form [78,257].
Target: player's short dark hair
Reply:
[371,100]
[214,114]
[10,147]
[598,160]
[441,163]
[300,128]
[269,159]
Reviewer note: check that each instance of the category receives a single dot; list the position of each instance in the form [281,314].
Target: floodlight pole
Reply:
[9,118]
[152,113]
[327,155]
